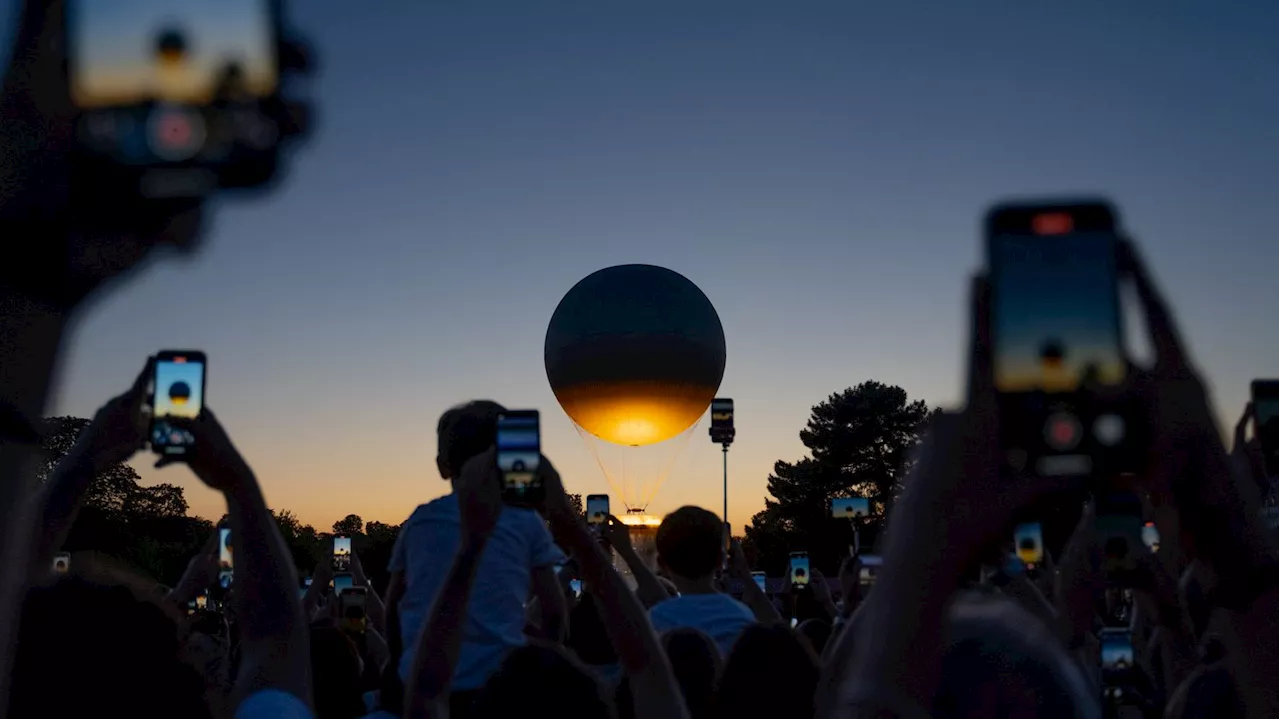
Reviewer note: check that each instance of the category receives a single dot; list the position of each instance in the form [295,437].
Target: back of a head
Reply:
[770,672]
[335,674]
[540,679]
[696,662]
[1210,691]
[1002,661]
[816,632]
[107,649]
[690,542]
[465,431]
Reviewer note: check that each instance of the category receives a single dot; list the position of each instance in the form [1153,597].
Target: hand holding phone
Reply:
[519,455]
[341,561]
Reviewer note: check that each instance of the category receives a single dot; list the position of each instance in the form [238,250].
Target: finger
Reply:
[1242,426]
[981,378]
[143,379]
[165,461]
[1164,335]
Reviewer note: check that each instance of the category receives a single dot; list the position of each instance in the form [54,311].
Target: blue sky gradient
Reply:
[818,169]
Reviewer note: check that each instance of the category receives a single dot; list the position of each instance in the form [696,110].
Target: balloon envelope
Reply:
[635,354]
[179,392]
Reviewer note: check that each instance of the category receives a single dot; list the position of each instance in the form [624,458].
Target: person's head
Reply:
[110,647]
[542,679]
[770,672]
[696,662]
[690,543]
[816,632]
[1001,661]
[336,669]
[463,432]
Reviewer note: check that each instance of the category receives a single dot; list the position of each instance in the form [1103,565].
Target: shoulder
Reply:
[273,704]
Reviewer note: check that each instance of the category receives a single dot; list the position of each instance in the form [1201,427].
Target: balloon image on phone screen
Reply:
[800,569]
[225,566]
[1056,332]
[177,391]
[62,563]
[1028,543]
[341,554]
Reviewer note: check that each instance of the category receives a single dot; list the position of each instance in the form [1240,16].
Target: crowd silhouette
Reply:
[481,608]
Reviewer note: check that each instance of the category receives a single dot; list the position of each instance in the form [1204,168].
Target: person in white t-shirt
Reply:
[690,545]
[520,558]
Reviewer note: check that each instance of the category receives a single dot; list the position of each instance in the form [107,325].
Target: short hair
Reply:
[465,431]
[545,679]
[690,542]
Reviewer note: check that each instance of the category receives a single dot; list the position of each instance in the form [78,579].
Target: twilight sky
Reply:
[819,169]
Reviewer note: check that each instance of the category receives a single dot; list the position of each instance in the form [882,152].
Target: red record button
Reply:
[1062,432]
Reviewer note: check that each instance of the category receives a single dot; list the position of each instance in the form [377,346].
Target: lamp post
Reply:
[722,433]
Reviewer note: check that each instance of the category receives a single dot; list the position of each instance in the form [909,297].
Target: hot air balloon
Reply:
[179,393]
[634,355]
[171,46]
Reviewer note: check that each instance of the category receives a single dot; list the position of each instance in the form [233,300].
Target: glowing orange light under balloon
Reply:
[178,400]
[635,413]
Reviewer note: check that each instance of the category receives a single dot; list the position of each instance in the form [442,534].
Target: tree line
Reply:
[859,440]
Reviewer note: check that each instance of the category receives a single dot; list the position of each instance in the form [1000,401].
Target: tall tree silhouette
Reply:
[859,441]
[348,526]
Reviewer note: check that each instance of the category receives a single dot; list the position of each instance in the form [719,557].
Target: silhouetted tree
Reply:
[348,526]
[859,441]
[575,501]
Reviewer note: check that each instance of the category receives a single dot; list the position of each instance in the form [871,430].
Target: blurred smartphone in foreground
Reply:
[1056,331]
[761,580]
[1263,393]
[519,455]
[178,387]
[174,100]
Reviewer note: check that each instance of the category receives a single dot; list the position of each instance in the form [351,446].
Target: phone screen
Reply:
[1028,543]
[61,563]
[202,601]
[1056,329]
[341,582]
[760,579]
[179,392]
[850,507]
[225,564]
[519,454]
[800,569]
[575,586]
[1151,536]
[1117,651]
[722,430]
[160,83]
[597,508]
[341,554]
[1119,528]
[1266,406]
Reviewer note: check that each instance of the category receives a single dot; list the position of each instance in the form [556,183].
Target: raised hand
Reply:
[118,429]
[616,534]
[213,457]
[480,495]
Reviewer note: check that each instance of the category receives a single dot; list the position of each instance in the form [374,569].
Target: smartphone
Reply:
[225,565]
[1151,536]
[1118,524]
[341,583]
[597,508]
[178,388]
[799,569]
[870,569]
[722,431]
[352,597]
[575,586]
[62,563]
[1117,662]
[760,579]
[850,508]
[202,601]
[1265,409]
[341,554]
[174,100]
[1056,331]
[1028,544]
[519,454]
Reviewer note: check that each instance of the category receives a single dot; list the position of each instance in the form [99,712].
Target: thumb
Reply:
[167,460]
